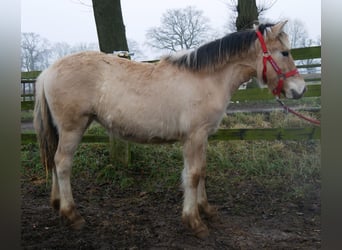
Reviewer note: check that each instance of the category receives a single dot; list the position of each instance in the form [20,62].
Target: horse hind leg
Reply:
[62,197]
[210,212]
[55,197]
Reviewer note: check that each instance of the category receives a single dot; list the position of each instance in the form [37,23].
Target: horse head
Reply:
[275,65]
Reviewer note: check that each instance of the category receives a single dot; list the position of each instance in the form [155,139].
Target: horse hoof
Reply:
[202,232]
[55,204]
[73,218]
[75,224]
[210,212]
[78,224]
[199,229]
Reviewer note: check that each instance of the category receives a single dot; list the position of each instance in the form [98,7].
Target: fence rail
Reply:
[267,134]
[255,94]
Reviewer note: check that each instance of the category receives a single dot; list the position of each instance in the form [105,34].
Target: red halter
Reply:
[267,57]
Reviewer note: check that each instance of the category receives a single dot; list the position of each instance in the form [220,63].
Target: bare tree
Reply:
[245,13]
[35,52]
[299,38]
[61,49]
[180,29]
[38,53]
[83,46]
[134,47]
[297,33]
[264,5]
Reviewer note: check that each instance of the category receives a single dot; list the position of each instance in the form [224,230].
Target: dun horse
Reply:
[181,98]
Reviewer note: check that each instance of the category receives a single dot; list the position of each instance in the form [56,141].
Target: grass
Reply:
[290,166]
[26,116]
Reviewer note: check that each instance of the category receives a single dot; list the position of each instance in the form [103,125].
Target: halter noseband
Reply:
[267,57]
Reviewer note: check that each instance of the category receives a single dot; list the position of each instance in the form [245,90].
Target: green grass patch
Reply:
[96,129]
[290,166]
[276,119]
[26,116]
[30,74]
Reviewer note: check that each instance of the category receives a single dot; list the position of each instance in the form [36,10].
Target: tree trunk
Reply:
[112,37]
[109,24]
[247,14]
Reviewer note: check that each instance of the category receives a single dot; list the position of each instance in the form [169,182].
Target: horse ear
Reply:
[278,28]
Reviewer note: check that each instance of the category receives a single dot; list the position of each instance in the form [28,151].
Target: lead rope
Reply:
[287,109]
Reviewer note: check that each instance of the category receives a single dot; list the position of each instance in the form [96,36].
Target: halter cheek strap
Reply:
[268,58]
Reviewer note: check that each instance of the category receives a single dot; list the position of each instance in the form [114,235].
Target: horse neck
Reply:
[236,73]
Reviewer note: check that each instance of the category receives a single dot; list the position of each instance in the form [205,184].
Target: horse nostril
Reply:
[304,90]
[296,95]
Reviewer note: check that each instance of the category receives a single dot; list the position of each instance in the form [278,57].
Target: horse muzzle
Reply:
[294,90]
[296,95]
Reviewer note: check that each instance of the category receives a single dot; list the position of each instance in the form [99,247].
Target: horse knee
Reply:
[191,178]
[63,166]
[194,179]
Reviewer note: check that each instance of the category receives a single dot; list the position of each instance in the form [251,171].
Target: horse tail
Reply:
[47,133]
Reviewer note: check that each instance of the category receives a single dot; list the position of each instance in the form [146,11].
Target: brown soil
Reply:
[250,217]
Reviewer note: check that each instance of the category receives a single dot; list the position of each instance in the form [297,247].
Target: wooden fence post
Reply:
[119,151]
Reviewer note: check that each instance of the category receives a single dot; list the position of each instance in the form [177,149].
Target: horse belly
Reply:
[144,127]
[146,140]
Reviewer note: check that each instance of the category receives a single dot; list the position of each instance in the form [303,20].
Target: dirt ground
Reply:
[249,218]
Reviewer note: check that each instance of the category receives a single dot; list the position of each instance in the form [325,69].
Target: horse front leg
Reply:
[194,153]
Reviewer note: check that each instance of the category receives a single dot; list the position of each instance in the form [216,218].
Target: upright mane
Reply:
[213,55]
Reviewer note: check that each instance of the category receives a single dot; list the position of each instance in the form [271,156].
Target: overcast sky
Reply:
[72,22]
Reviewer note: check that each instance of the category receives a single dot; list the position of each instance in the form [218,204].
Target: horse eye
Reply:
[285,53]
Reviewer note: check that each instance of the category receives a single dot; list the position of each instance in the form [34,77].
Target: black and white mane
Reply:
[215,54]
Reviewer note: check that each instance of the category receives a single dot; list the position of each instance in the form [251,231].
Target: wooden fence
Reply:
[304,133]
